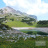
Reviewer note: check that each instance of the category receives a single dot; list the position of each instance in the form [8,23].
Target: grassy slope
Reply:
[19,24]
[22,24]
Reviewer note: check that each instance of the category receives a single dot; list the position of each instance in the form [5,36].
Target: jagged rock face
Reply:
[8,9]
[33,16]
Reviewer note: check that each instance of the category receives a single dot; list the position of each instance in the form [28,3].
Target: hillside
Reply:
[16,18]
[15,21]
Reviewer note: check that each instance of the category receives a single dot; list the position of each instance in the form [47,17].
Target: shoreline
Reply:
[43,29]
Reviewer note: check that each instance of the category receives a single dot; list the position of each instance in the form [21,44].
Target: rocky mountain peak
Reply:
[8,9]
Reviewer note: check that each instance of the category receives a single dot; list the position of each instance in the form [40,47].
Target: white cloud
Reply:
[21,3]
[10,2]
[38,8]
[35,7]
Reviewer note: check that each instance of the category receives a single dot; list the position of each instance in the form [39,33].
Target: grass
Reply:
[22,24]
[42,25]
[18,24]
[21,43]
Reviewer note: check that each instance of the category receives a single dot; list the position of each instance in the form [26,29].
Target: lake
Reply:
[33,32]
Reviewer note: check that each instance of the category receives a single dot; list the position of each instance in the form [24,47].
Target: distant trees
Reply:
[28,20]
[43,22]
[1,20]
[1,11]
[5,17]
[16,15]
[32,19]
[12,19]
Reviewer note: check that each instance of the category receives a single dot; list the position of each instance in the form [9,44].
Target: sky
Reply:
[31,7]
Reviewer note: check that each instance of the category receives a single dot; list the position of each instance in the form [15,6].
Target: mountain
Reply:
[8,9]
[33,16]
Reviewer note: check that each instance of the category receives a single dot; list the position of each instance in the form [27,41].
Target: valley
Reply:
[20,30]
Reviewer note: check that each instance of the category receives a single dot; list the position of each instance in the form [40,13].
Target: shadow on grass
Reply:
[37,32]
[42,33]
[29,32]
[6,26]
[30,24]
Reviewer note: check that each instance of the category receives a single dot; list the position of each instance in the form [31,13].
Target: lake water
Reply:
[16,36]
[31,31]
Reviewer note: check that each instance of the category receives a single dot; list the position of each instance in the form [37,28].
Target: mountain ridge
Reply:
[9,9]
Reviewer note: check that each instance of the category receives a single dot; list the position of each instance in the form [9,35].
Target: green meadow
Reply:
[21,43]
